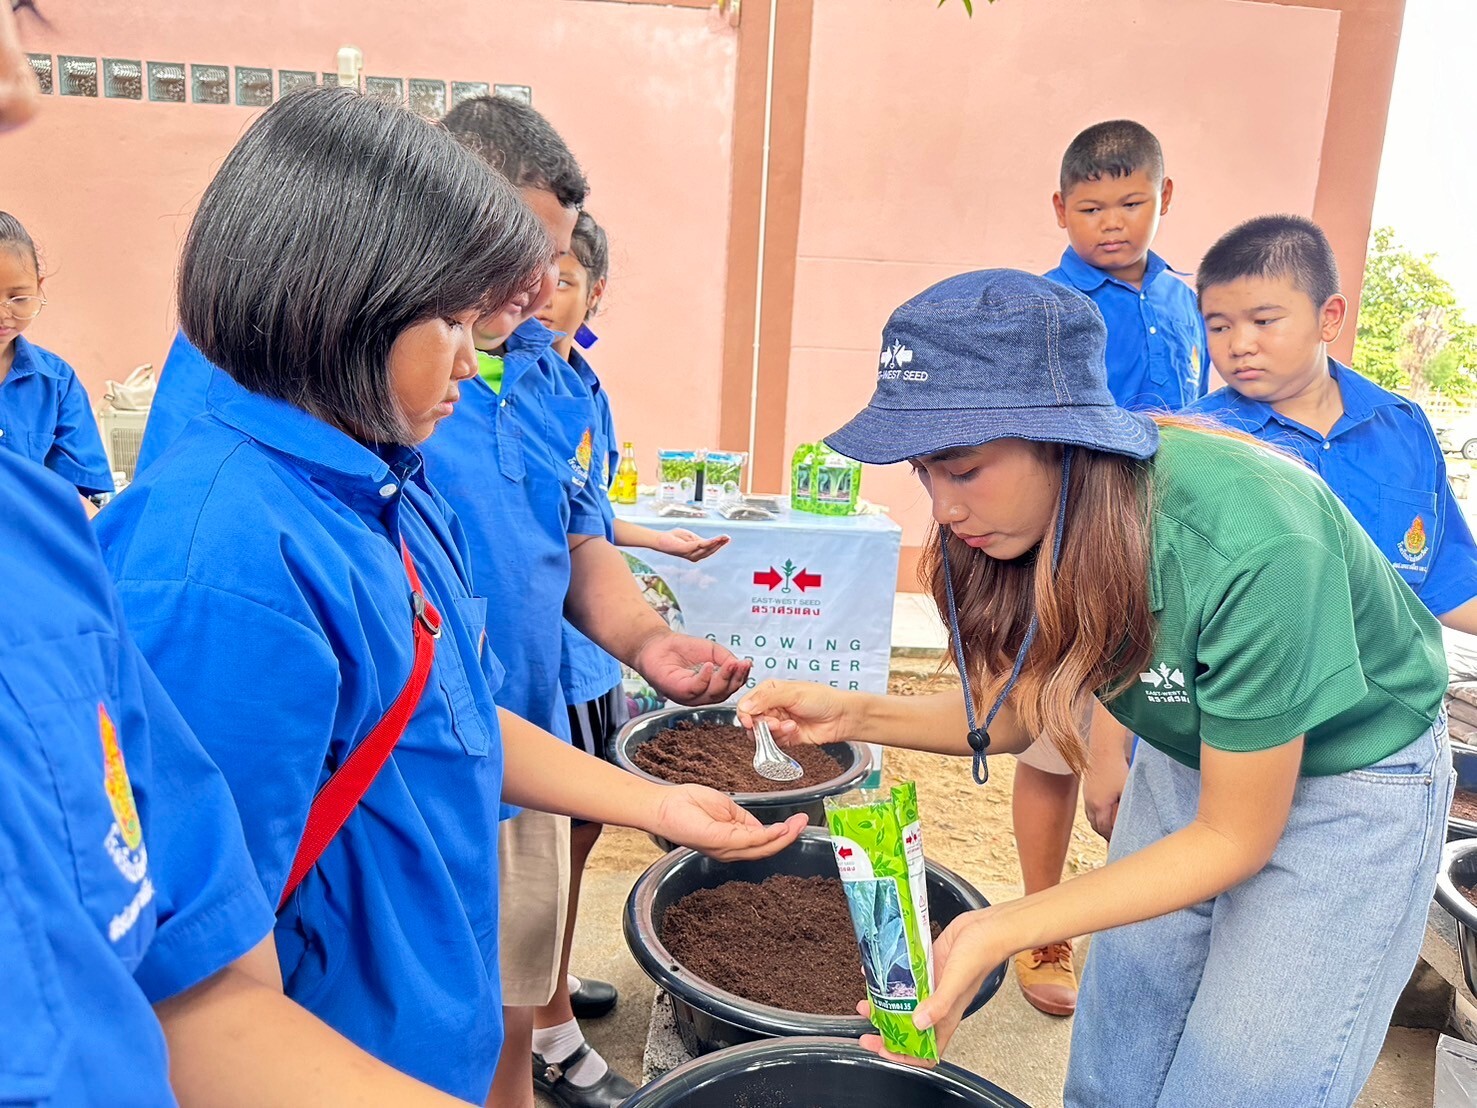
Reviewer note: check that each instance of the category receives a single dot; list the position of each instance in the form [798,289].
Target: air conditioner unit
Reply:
[121,418]
[123,434]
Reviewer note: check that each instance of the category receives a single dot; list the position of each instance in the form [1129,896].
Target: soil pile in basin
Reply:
[721,756]
[787,942]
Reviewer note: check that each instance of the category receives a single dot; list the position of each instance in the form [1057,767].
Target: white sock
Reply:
[554,1044]
[572,982]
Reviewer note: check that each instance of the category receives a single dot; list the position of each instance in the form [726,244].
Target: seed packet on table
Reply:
[879,853]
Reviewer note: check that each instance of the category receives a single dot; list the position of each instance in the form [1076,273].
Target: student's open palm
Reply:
[706,820]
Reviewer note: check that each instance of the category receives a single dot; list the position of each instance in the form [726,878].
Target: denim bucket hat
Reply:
[997,354]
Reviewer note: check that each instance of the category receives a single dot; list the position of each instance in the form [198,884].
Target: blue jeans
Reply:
[1278,992]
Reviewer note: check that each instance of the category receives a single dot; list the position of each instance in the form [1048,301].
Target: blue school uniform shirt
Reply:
[516,465]
[178,398]
[1383,461]
[586,671]
[45,416]
[1156,336]
[124,878]
[259,565]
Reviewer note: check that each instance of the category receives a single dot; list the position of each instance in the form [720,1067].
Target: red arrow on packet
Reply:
[770,580]
[807,580]
[844,852]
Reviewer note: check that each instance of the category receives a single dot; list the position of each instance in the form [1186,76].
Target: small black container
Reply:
[1464,763]
[1459,870]
[709,1018]
[815,1073]
[775,807]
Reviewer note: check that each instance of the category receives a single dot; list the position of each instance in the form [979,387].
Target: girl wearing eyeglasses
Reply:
[44,412]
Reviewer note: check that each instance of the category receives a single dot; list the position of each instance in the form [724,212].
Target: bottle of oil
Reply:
[623,491]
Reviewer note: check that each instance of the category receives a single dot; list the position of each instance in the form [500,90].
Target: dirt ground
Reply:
[965,827]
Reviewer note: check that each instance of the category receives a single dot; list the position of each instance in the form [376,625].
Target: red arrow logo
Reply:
[844,852]
[770,580]
[807,580]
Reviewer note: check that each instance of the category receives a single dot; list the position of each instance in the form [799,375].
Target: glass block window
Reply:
[78,76]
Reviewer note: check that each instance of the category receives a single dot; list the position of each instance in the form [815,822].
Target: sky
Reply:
[1428,176]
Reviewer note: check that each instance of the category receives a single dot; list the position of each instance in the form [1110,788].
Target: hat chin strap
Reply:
[979,737]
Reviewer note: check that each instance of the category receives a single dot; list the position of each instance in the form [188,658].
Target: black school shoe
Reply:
[549,1079]
[593,999]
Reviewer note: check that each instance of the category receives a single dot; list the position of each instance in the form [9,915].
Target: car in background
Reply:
[1457,434]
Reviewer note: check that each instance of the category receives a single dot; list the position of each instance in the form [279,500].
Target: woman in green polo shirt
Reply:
[1276,847]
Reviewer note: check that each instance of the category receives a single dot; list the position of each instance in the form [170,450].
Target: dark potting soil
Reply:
[721,756]
[1464,805]
[788,942]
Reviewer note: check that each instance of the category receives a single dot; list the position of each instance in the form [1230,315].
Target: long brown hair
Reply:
[1096,628]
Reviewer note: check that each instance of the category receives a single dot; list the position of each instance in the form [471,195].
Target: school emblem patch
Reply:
[1413,547]
[584,454]
[116,783]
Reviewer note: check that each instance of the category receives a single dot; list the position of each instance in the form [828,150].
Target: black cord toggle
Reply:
[979,742]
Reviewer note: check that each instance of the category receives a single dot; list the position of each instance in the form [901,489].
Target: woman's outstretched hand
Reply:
[799,713]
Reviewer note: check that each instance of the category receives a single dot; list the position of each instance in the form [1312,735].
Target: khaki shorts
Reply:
[1044,756]
[533,900]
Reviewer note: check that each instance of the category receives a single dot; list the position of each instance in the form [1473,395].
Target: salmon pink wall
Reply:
[932,146]
[642,92]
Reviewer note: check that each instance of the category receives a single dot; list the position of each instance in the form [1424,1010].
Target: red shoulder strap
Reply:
[342,792]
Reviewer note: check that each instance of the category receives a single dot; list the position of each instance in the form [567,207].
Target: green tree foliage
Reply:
[1413,335]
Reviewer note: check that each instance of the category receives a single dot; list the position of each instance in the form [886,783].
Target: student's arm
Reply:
[544,773]
[77,447]
[1244,803]
[801,713]
[1107,773]
[234,1039]
[1463,618]
[679,542]
[606,604]
[1450,587]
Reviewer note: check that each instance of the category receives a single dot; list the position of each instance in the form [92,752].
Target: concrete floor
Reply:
[1007,1041]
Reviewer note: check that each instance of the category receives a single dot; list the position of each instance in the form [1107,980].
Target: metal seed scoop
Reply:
[769,760]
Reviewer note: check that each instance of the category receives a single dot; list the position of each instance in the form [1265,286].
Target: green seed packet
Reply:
[802,496]
[879,853]
[677,474]
[723,476]
[836,483]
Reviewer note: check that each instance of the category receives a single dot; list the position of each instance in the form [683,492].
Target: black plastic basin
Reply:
[1464,763]
[709,1018]
[775,807]
[1459,870]
[815,1073]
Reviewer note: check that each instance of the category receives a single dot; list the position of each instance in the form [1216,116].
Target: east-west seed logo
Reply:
[787,578]
[1164,685]
[893,360]
[1414,546]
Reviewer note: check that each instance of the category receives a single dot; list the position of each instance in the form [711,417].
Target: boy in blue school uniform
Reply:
[1270,293]
[1112,194]
[44,412]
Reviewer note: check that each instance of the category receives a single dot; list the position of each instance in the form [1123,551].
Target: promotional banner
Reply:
[805,598]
